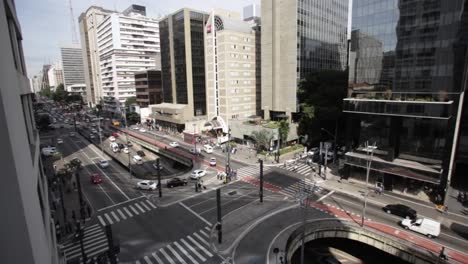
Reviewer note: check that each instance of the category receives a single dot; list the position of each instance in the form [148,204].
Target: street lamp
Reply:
[370,154]
[126,137]
[334,142]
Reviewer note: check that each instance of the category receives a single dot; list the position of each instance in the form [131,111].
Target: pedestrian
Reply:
[445,209]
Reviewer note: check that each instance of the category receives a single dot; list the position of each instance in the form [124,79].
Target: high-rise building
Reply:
[72,65]
[128,42]
[183,69]
[230,58]
[251,12]
[36,82]
[148,86]
[298,37]
[89,21]
[27,229]
[55,75]
[409,62]
[45,76]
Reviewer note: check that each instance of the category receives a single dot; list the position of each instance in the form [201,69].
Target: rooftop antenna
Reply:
[72,17]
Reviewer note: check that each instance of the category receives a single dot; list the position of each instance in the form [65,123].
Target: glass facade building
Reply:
[407,59]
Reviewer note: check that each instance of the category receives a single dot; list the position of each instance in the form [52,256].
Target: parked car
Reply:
[121,146]
[48,151]
[155,166]
[59,141]
[400,210]
[425,226]
[137,159]
[141,153]
[103,164]
[196,174]
[114,134]
[147,185]
[174,182]
[174,144]
[112,138]
[142,130]
[129,144]
[213,162]
[125,150]
[96,178]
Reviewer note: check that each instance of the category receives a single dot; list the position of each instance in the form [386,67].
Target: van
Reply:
[48,151]
[137,159]
[208,148]
[425,226]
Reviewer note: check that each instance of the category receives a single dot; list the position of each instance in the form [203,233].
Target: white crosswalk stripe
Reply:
[109,217]
[252,171]
[308,187]
[190,250]
[94,243]
[302,168]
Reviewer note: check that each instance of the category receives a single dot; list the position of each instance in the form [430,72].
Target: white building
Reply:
[72,64]
[27,229]
[79,89]
[230,68]
[127,43]
[89,22]
[36,82]
[55,74]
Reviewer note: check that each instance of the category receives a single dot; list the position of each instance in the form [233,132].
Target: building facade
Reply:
[127,43]
[88,22]
[410,58]
[183,67]
[28,232]
[72,65]
[230,57]
[298,37]
[45,77]
[148,85]
[55,76]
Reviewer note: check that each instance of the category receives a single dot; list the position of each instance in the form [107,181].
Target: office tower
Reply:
[88,22]
[298,37]
[128,42]
[409,62]
[230,58]
[45,76]
[183,69]
[148,85]
[27,229]
[251,12]
[55,75]
[72,65]
[36,82]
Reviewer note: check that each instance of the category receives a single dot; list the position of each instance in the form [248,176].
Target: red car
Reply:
[115,135]
[96,178]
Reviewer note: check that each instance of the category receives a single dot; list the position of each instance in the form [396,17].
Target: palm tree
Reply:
[283,131]
[262,139]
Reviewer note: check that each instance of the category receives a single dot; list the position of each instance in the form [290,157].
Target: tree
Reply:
[283,131]
[130,101]
[60,94]
[43,122]
[46,92]
[262,139]
[322,94]
[133,118]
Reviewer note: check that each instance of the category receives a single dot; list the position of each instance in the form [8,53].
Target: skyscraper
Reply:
[27,229]
[72,65]
[298,37]
[128,42]
[55,75]
[89,21]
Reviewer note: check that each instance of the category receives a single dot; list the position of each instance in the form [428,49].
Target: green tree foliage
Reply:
[133,118]
[43,122]
[321,95]
[283,130]
[46,92]
[262,139]
[130,101]
[60,94]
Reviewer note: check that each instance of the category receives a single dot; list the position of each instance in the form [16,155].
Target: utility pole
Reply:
[368,149]
[219,225]
[80,194]
[80,236]
[261,180]
[228,150]
[326,162]
[159,177]
[113,249]
[126,136]
[100,132]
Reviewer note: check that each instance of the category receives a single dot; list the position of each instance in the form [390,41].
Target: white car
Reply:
[103,164]
[174,144]
[155,166]
[142,130]
[59,141]
[147,185]
[213,161]
[126,151]
[91,135]
[72,134]
[112,138]
[136,128]
[196,174]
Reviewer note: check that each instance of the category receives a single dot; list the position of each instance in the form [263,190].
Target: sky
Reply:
[46,24]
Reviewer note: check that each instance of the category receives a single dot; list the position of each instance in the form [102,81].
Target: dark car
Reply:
[174,182]
[129,144]
[400,210]
[140,153]
[96,178]
[121,146]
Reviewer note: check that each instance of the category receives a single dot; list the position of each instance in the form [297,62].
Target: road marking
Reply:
[157,258]
[148,260]
[193,250]
[205,234]
[185,253]
[167,256]
[197,215]
[145,206]
[104,191]
[128,212]
[200,246]
[151,204]
[134,210]
[121,214]
[107,207]
[108,219]
[325,196]
[207,228]
[115,216]
[201,239]
[139,207]
[101,220]
[176,254]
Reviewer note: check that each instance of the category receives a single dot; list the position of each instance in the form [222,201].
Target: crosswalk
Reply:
[193,249]
[94,244]
[126,211]
[308,186]
[302,168]
[252,171]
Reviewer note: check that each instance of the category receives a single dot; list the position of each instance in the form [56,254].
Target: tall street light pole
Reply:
[228,150]
[334,142]
[126,137]
[370,154]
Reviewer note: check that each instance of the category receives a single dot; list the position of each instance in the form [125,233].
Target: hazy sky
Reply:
[46,24]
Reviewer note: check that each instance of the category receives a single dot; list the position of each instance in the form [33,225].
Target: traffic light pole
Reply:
[159,177]
[261,180]
[218,205]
